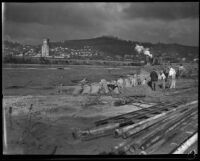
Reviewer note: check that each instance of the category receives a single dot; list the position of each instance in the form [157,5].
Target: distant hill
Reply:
[113,46]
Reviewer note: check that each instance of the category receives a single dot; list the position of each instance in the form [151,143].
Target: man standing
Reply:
[166,72]
[154,79]
[163,78]
[120,83]
[172,74]
[134,80]
[181,70]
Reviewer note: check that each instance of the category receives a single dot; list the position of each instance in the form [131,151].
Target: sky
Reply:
[165,22]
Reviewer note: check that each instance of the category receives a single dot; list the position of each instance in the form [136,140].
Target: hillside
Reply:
[113,46]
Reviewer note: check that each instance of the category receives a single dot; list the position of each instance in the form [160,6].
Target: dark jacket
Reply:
[166,73]
[154,76]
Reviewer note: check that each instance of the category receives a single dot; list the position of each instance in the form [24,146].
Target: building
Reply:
[45,48]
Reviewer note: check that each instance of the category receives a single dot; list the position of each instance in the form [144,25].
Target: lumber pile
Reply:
[148,130]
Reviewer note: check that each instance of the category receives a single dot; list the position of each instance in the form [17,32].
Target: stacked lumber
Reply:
[149,130]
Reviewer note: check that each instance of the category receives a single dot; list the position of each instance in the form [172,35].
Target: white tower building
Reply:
[45,48]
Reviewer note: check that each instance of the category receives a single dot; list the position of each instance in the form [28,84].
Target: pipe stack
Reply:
[145,130]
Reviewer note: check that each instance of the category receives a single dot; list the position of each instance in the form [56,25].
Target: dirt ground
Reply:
[47,127]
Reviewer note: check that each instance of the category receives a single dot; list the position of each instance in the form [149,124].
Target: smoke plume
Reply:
[141,49]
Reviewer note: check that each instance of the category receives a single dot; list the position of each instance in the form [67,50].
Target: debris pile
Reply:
[147,130]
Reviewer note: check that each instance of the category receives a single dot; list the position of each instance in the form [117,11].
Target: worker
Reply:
[120,83]
[163,78]
[112,85]
[181,70]
[104,85]
[133,80]
[127,82]
[154,80]
[144,81]
[172,75]
[166,72]
[135,83]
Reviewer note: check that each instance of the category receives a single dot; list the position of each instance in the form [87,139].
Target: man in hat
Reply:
[163,78]
[154,79]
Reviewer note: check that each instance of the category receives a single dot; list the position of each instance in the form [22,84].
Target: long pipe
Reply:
[144,123]
[95,131]
[170,135]
[185,145]
[164,120]
[101,130]
[150,110]
[160,120]
[135,112]
[155,137]
[170,127]
[126,144]
[104,121]
[164,138]
[120,145]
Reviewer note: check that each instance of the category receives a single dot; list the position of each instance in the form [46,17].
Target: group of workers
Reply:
[165,76]
[168,74]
